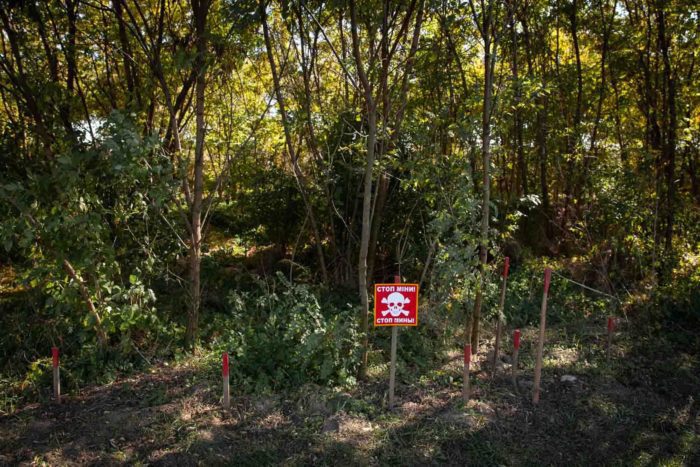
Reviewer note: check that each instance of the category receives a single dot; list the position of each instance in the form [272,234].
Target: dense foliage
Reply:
[220,173]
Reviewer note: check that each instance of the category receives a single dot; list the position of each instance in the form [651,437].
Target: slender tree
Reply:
[486,20]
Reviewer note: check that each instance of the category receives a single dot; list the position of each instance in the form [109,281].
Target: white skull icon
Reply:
[395,302]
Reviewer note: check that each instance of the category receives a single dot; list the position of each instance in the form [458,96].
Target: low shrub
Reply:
[282,334]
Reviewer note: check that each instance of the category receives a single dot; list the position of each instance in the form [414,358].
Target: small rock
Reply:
[568,379]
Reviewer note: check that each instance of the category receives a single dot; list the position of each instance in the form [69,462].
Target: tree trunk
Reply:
[293,156]
[489,62]
[380,197]
[579,73]
[306,68]
[618,121]
[365,235]
[669,137]
[200,9]
[517,115]
[601,90]
[366,192]
[540,127]
[574,180]
[129,73]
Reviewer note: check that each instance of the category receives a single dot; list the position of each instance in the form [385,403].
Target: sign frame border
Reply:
[374,321]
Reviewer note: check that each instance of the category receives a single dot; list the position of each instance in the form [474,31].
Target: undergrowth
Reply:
[282,334]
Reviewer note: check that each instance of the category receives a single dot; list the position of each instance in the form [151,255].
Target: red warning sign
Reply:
[396,304]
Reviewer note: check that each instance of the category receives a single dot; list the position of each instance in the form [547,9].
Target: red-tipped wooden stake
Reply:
[611,330]
[499,325]
[225,375]
[516,351]
[56,375]
[467,362]
[540,343]
[394,343]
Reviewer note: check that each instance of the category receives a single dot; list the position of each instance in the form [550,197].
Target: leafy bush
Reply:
[282,334]
[566,302]
[92,226]
[93,223]
[678,301]
[264,206]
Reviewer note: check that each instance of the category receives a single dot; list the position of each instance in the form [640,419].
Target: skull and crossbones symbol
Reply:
[395,302]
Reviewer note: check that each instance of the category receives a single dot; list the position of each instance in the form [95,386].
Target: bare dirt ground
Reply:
[638,408]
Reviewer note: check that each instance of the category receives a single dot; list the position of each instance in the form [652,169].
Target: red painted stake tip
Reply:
[516,339]
[547,279]
[224,364]
[54,356]
[397,279]
[467,354]
[611,324]
[506,266]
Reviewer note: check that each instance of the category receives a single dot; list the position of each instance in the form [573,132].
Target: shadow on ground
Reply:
[638,408]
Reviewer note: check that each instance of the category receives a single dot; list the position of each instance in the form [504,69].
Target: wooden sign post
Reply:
[395,305]
[392,371]
[56,375]
[540,343]
[516,351]
[467,364]
[499,325]
[225,375]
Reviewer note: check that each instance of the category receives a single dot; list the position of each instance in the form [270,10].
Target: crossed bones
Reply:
[395,301]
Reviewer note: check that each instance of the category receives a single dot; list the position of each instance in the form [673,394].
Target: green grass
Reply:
[637,408]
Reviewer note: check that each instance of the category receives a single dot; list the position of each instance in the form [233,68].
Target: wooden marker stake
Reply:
[540,343]
[611,330]
[392,370]
[516,351]
[56,375]
[499,325]
[467,361]
[225,374]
